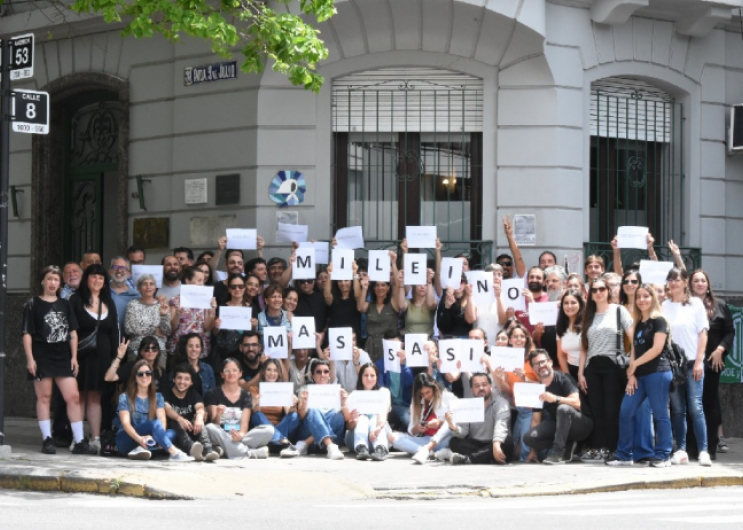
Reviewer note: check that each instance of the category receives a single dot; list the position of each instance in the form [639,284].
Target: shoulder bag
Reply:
[622,359]
[89,343]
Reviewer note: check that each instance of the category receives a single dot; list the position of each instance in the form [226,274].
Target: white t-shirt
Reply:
[571,344]
[487,320]
[687,322]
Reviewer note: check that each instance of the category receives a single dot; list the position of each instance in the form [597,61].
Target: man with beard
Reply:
[565,424]
[545,337]
[533,293]
[184,255]
[121,292]
[486,442]
[71,274]
[171,278]
[251,352]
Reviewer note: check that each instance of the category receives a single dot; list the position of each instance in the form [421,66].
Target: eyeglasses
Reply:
[250,346]
[630,282]
[595,290]
[237,287]
[119,268]
[305,281]
[151,347]
[322,372]
[539,363]
[505,263]
[144,374]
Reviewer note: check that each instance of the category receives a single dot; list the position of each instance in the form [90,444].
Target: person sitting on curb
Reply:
[485,442]
[566,423]
[184,408]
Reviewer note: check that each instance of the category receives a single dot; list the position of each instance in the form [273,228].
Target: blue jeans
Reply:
[321,425]
[521,428]
[399,417]
[644,443]
[164,438]
[689,395]
[284,430]
[410,444]
[654,387]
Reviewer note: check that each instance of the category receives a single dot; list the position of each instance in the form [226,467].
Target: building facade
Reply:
[586,115]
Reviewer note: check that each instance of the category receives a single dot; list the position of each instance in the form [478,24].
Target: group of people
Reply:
[152,375]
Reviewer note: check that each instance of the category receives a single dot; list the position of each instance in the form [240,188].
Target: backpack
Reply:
[676,357]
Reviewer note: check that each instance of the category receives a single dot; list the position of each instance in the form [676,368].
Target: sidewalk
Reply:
[317,478]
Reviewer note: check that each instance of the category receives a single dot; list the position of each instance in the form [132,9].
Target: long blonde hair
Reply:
[655,308]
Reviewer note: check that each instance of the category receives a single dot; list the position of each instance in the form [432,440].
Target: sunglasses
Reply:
[305,281]
[150,348]
[595,290]
[144,374]
[322,372]
[505,263]
[237,287]
[630,282]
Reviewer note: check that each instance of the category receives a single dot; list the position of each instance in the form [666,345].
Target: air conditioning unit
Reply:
[735,139]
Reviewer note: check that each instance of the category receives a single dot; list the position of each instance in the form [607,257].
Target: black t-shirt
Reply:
[184,407]
[644,340]
[233,415]
[49,322]
[313,305]
[248,372]
[562,385]
[221,293]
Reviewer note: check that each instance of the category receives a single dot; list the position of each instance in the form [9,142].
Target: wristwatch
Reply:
[557,401]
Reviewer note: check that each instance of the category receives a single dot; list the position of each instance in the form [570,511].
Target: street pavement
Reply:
[317,478]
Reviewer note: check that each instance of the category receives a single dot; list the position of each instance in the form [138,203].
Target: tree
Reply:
[264,30]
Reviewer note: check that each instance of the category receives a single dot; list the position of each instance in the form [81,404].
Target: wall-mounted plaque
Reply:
[152,232]
[195,191]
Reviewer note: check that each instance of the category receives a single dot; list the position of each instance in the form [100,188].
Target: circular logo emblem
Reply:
[287,188]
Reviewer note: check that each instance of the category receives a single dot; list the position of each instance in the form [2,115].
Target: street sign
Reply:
[30,111]
[21,57]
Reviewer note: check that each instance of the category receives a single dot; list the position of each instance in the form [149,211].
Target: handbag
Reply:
[622,359]
[676,357]
[89,343]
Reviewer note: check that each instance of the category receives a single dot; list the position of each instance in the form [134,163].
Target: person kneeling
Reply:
[184,408]
[566,424]
[485,442]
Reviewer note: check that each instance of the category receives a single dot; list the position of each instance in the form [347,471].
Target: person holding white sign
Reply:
[566,424]
[456,312]
[427,429]
[485,442]
[421,308]
[381,312]
[400,385]
[347,372]
[273,314]
[285,420]
[146,316]
[321,429]
[185,320]
[342,302]
[617,251]
[227,341]
[492,317]
[368,433]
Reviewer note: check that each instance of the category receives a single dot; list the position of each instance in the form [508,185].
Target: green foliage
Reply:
[263,30]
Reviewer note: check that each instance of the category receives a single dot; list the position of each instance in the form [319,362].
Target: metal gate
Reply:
[407,150]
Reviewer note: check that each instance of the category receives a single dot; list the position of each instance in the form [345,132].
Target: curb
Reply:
[23,480]
[498,493]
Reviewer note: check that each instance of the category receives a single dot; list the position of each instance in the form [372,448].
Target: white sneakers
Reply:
[139,453]
[302,449]
[261,453]
[421,455]
[680,458]
[334,453]
[704,459]
[180,456]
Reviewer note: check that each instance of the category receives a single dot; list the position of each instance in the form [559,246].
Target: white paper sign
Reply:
[451,272]
[379,266]
[420,236]
[276,342]
[632,237]
[415,269]
[304,264]
[415,355]
[544,312]
[482,287]
[369,401]
[155,270]
[322,255]
[654,272]
[196,296]
[242,238]
[286,233]
[222,275]
[471,410]
[235,317]
[391,359]
[510,359]
[471,352]
[342,264]
[276,394]
[340,341]
[350,238]
[527,395]
[512,294]
[303,333]
[449,355]
[324,397]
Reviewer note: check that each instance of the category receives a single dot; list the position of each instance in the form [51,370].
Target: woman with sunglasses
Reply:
[229,408]
[146,316]
[142,419]
[149,351]
[227,341]
[720,339]
[368,434]
[689,326]
[188,352]
[600,374]
[320,428]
